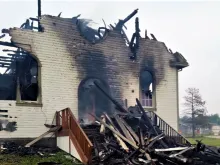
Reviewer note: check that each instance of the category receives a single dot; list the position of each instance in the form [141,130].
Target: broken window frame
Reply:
[29,24]
[18,93]
[38,102]
[17,90]
[153,84]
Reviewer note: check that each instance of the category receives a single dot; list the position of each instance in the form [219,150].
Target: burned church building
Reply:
[53,65]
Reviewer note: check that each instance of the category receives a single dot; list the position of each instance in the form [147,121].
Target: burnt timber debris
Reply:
[16,149]
[11,148]
[135,137]
[127,136]
[54,129]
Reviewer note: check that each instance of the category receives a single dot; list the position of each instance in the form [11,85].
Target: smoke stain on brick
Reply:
[151,58]
[92,64]
[95,64]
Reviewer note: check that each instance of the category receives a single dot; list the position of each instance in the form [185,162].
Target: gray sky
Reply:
[192,28]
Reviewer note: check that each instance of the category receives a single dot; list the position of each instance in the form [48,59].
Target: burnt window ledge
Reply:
[29,104]
[19,102]
[149,108]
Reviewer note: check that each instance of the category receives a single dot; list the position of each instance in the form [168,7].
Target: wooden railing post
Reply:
[63,119]
[57,118]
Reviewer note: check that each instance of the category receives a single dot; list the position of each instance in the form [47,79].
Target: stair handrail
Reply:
[167,129]
[70,122]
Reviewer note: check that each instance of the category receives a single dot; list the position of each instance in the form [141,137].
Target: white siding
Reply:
[55,49]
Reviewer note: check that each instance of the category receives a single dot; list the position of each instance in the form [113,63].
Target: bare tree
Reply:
[194,105]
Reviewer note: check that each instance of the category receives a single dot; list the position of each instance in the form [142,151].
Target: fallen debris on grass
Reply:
[13,148]
[14,154]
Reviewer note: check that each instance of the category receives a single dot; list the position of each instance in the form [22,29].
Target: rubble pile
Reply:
[129,137]
[15,149]
[12,148]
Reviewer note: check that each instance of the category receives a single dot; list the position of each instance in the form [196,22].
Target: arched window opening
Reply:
[18,76]
[92,100]
[146,89]
[18,70]
[27,72]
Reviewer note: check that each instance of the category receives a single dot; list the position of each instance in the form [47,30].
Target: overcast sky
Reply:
[191,28]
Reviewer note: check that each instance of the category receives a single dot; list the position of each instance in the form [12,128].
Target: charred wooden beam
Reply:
[170,149]
[154,38]
[181,152]
[139,136]
[39,9]
[2,36]
[123,128]
[171,51]
[121,23]
[118,133]
[5,30]
[113,126]
[135,37]
[155,139]
[149,123]
[102,128]
[146,119]
[130,130]
[7,44]
[119,107]
[125,36]
[146,37]
[34,19]
[6,60]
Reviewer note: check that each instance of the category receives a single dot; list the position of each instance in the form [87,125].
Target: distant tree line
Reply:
[202,120]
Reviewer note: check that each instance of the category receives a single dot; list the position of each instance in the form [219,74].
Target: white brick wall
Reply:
[62,53]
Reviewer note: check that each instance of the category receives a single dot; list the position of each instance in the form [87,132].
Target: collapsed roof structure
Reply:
[16,59]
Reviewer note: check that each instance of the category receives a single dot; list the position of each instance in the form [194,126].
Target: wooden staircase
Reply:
[79,144]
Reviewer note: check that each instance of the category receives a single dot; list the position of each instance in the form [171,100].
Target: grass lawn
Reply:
[206,141]
[34,160]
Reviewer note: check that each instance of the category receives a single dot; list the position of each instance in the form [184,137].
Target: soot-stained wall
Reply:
[67,58]
[92,100]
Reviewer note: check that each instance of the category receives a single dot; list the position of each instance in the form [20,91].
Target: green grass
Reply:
[34,160]
[206,141]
